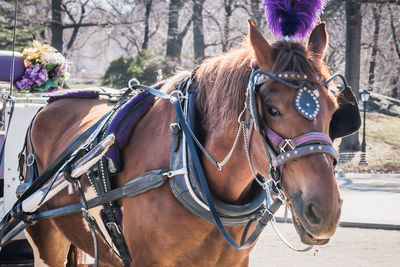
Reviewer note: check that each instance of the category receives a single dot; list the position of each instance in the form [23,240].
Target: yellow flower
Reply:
[39,50]
[31,53]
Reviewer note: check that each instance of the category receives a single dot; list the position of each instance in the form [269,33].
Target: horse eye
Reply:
[273,111]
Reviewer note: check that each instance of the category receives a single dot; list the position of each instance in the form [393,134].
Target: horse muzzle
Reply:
[314,223]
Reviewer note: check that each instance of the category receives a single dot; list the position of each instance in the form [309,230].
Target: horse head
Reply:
[307,181]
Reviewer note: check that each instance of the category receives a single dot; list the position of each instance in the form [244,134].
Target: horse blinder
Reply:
[346,119]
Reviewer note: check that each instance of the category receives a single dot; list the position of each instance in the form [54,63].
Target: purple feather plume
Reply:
[293,18]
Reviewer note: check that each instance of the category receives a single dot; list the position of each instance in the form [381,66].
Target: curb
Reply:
[368,175]
[377,226]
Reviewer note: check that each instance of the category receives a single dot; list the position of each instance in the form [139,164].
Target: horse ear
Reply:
[262,49]
[318,40]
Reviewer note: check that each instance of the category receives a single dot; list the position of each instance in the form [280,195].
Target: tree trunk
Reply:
[73,38]
[256,12]
[372,64]
[174,43]
[395,79]
[145,44]
[56,25]
[393,28]
[228,14]
[198,36]
[353,46]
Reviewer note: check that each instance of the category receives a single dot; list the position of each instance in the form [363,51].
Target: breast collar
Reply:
[187,189]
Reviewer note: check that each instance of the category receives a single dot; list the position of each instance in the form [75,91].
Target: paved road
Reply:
[349,247]
[368,199]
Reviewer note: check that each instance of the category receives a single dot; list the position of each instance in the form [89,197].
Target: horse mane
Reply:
[223,80]
[222,86]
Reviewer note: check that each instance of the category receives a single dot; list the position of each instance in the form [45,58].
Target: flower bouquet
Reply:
[46,69]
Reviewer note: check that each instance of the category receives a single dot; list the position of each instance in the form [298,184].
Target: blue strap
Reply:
[152,91]
[265,217]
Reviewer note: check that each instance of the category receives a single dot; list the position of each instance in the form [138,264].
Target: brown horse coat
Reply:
[158,229]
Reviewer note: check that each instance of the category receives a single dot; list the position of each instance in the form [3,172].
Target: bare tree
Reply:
[175,36]
[377,17]
[352,67]
[56,25]
[198,30]
[257,13]
[393,30]
[148,5]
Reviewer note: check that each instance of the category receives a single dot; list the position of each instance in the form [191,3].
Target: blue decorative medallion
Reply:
[306,103]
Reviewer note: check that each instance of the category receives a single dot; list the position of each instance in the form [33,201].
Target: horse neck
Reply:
[233,182]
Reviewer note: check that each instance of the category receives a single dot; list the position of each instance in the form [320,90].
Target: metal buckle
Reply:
[109,224]
[175,125]
[287,142]
[30,160]
[177,95]
[173,173]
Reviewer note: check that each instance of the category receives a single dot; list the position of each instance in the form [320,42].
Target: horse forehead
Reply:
[278,93]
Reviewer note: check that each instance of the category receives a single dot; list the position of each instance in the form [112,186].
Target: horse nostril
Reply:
[311,214]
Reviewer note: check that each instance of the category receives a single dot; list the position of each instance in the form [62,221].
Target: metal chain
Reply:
[247,148]
[228,156]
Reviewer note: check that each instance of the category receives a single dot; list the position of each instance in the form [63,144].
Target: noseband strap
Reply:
[304,145]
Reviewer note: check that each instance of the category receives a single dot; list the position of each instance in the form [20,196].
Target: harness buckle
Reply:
[177,95]
[173,173]
[110,224]
[174,126]
[287,142]
[30,160]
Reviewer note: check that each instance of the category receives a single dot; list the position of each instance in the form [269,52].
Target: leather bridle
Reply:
[289,149]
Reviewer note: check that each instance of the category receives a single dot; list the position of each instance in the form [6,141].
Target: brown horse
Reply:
[158,229]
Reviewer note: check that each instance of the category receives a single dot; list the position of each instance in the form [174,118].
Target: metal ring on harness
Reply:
[30,160]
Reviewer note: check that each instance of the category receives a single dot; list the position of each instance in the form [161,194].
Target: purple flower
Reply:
[24,83]
[32,70]
[34,75]
[41,77]
[37,74]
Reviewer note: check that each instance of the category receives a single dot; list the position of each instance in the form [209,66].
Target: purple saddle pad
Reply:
[123,124]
